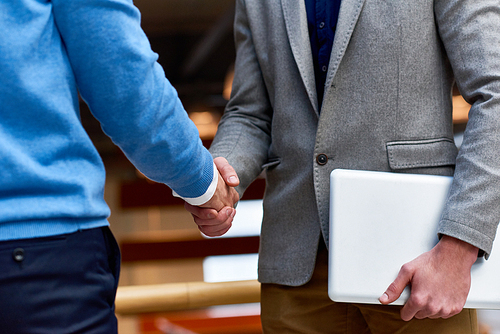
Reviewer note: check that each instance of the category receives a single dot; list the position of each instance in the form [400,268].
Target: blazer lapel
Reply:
[295,15]
[348,17]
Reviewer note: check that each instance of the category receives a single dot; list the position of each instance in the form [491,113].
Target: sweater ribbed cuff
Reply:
[196,201]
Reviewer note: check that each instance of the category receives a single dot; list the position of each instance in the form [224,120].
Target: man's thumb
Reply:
[227,172]
[396,288]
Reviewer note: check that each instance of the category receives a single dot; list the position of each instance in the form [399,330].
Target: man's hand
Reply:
[215,217]
[440,281]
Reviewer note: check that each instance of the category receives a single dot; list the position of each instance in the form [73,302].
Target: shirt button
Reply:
[322,25]
[324,68]
[322,159]
[18,255]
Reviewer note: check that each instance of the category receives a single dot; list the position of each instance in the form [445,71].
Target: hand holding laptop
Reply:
[440,281]
[380,221]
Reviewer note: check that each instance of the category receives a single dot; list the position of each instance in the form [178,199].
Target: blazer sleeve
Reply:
[470,33]
[244,133]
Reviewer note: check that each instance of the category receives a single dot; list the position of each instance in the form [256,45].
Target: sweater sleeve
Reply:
[118,76]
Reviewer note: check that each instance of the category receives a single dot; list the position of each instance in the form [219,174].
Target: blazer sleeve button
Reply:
[321,159]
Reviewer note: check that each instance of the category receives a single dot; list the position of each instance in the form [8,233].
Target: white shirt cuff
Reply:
[196,201]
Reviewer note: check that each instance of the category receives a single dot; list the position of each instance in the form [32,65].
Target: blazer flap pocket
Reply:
[421,153]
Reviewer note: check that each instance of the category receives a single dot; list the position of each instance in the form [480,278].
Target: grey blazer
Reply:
[387,107]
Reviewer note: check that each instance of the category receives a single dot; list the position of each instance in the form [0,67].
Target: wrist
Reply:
[458,248]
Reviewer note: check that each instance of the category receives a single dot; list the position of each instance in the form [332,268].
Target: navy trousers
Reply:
[63,284]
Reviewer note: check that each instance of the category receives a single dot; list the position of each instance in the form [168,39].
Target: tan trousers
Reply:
[308,309]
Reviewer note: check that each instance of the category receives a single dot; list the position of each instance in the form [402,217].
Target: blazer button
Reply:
[18,254]
[322,159]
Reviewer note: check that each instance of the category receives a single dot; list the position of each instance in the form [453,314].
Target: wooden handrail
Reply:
[184,296]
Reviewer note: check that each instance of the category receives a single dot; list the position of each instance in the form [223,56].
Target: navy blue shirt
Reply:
[322,20]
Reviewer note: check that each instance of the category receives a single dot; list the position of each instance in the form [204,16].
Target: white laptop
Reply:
[380,221]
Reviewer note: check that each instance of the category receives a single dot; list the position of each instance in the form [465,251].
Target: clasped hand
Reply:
[215,217]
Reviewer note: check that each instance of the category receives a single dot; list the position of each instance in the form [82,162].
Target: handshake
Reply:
[215,217]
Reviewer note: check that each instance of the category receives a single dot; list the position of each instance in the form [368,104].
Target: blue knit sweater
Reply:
[51,176]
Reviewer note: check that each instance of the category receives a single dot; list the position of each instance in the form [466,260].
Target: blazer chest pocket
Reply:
[423,156]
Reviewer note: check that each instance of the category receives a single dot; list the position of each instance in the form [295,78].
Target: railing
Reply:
[184,296]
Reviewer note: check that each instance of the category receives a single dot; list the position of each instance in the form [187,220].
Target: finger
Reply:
[213,230]
[396,288]
[222,216]
[202,213]
[424,314]
[411,309]
[436,311]
[227,172]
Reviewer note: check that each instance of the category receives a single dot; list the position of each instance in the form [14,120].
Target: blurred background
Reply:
[161,246]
